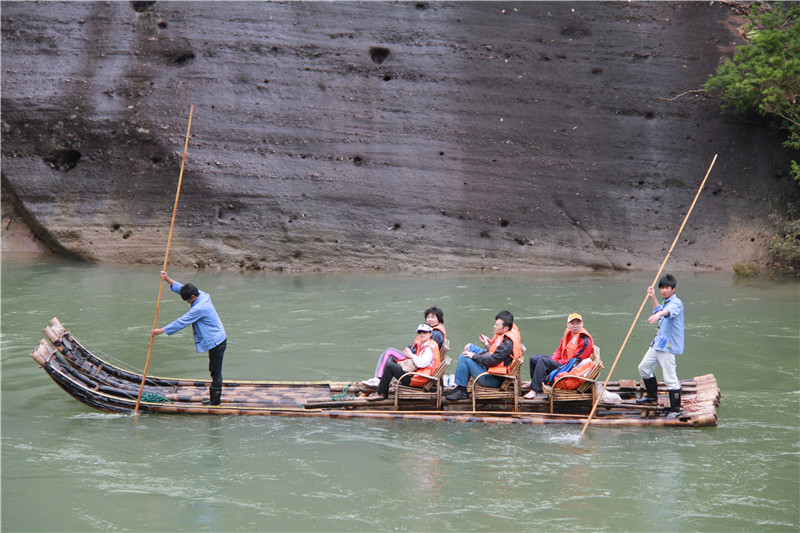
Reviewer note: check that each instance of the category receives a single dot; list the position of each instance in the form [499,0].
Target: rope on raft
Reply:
[343,395]
[154,398]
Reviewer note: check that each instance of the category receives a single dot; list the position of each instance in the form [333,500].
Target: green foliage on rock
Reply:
[785,249]
[764,75]
[746,270]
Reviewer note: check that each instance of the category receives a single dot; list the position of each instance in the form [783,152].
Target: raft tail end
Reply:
[54,330]
[42,353]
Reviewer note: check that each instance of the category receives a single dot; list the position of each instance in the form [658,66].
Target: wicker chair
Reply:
[586,391]
[508,389]
[432,390]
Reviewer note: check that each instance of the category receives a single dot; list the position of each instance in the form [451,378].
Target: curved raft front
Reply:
[101,385]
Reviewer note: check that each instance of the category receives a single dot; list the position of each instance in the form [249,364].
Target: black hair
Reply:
[506,317]
[436,311]
[667,280]
[189,290]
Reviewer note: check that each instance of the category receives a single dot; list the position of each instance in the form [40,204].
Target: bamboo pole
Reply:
[166,258]
[644,301]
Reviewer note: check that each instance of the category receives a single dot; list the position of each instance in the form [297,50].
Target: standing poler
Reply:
[665,346]
[209,335]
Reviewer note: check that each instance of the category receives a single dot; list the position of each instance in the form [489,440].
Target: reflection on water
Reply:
[95,471]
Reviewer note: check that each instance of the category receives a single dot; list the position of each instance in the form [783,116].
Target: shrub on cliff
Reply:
[785,249]
[764,75]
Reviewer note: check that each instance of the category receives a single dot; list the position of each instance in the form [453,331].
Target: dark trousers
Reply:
[541,365]
[215,355]
[391,370]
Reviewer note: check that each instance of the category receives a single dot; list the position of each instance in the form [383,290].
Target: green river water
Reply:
[66,467]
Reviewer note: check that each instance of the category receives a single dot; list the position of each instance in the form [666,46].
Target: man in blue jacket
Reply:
[668,343]
[209,335]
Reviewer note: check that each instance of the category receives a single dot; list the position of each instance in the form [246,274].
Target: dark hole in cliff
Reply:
[421,5]
[127,234]
[141,7]
[396,226]
[597,70]
[649,115]
[358,161]
[65,159]
[184,58]
[575,32]
[156,160]
[522,241]
[378,54]
[162,24]
[485,234]
[441,153]
[503,223]
[388,77]
[115,227]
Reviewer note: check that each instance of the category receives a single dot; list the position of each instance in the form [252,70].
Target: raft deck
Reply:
[104,386]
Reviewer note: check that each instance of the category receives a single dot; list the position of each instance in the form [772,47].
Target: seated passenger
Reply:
[496,356]
[425,358]
[434,317]
[575,344]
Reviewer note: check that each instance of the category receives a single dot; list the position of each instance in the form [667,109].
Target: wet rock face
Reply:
[381,135]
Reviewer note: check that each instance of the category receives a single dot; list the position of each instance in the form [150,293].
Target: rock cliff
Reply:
[378,135]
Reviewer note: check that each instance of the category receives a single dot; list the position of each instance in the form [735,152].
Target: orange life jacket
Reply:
[584,368]
[516,352]
[440,327]
[417,381]
[567,349]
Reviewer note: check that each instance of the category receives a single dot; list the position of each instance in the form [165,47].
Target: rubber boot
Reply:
[674,404]
[214,394]
[651,387]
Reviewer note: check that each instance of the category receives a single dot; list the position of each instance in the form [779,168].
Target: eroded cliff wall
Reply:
[444,135]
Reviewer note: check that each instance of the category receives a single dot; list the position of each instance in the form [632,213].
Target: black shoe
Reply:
[375,397]
[460,393]
[651,386]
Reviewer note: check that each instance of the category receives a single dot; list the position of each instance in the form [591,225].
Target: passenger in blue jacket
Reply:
[209,335]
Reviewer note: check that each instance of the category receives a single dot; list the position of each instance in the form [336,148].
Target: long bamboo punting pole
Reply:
[644,301]
[166,258]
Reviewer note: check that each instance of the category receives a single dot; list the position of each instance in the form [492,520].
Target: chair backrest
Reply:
[444,349]
[513,370]
[587,385]
[437,375]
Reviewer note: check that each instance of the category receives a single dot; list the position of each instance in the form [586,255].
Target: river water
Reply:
[66,467]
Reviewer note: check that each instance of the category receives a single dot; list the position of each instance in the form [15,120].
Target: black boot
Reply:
[214,396]
[651,386]
[674,404]
[459,393]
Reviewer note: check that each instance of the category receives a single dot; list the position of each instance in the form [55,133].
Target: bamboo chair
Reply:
[444,349]
[586,391]
[508,389]
[432,390]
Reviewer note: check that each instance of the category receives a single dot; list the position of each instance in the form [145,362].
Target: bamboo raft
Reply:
[106,387]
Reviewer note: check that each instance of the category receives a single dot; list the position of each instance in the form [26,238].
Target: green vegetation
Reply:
[764,77]
[746,270]
[785,249]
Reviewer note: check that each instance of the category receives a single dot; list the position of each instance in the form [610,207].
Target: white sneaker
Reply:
[372,382]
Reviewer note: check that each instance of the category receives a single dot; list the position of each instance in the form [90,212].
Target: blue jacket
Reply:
[670,328]
[206,325]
